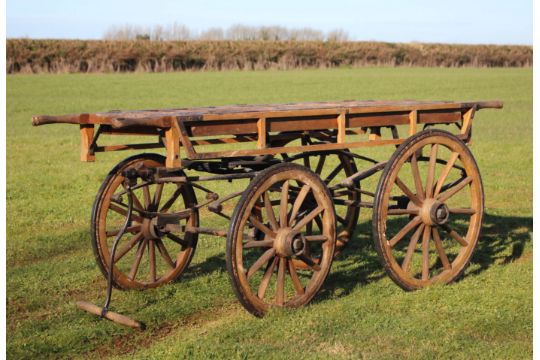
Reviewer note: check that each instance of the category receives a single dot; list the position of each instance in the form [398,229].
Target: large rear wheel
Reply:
[428,210]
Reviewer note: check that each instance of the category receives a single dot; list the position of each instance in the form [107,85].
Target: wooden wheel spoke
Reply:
[462,211]
[309,262]
[445,172]
[410,249]
[410,225]
[258,243]
[319,223]
[416,177]
[259,225]
[298,203]
[284,204]
[307,163]
[152,260]
[280,284]
[316,237]
[455,235]
[431,170]
[440,249]
[320,164]
[265,257]
[402,212]
[124,212]
[455,189]
[137,260]
[294,277]
[178,240]
[146,196]
[266,278]
[270,212]
[309,217]
[136,202]
[408,192]
[334,173]
[130,229]
[164,253]
[157,195]
[171,200]
[425,252]
[341,220]
[128,246]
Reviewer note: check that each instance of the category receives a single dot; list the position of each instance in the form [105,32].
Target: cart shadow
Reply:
[502,241]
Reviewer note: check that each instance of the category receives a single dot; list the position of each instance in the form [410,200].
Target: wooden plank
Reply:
[438,116]
[261,132]
[172,144]
[413,120]
[121,147]
[87,137]
[184,138]
[297,149]
[467,122]
[161,118]
[342,126]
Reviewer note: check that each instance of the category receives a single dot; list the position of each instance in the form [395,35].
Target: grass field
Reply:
[360,312]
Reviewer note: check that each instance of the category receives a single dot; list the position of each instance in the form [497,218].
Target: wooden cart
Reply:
[303,199]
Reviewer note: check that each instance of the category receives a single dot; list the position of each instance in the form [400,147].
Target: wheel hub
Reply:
[288,242]
[150,229]
[434,212]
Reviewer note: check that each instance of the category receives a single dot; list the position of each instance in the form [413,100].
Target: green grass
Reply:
[359,313]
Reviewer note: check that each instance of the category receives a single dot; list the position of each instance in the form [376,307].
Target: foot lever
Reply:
[104,312]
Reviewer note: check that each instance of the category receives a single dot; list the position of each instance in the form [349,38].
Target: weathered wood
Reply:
[87,137]
[172,144]
[413,121]
[109,315]
[261,132]
[342,126]
[256,123]
[164,118]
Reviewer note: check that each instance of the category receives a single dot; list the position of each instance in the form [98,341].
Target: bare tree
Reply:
[338,35]
[214,33]
[239,32]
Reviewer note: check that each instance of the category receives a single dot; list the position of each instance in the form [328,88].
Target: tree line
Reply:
[238,32]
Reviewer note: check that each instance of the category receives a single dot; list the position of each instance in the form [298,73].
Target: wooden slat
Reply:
[87,136]
[261,131]
[162,118]
[172,144]
[413,121]
[342,126]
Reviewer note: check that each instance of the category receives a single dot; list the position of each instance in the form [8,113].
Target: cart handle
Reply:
[489,105]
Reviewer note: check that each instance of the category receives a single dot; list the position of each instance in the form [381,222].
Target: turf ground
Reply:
[360,313]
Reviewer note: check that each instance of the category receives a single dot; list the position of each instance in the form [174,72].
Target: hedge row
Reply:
[35,56]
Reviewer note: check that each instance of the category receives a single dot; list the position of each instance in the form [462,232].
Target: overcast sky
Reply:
[454,21]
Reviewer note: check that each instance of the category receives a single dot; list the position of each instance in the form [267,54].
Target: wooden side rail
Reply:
[333,123]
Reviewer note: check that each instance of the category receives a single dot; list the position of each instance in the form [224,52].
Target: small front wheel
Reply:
[146,257]
[269,236]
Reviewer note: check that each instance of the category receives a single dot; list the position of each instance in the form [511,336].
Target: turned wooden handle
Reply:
[489,105]
[63,119]
[109,315]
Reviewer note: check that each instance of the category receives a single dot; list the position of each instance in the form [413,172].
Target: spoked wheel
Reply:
[428,210]
[146,256]
[334,166]
[268,234]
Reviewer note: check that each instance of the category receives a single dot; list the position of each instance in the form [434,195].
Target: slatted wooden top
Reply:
[164,117]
